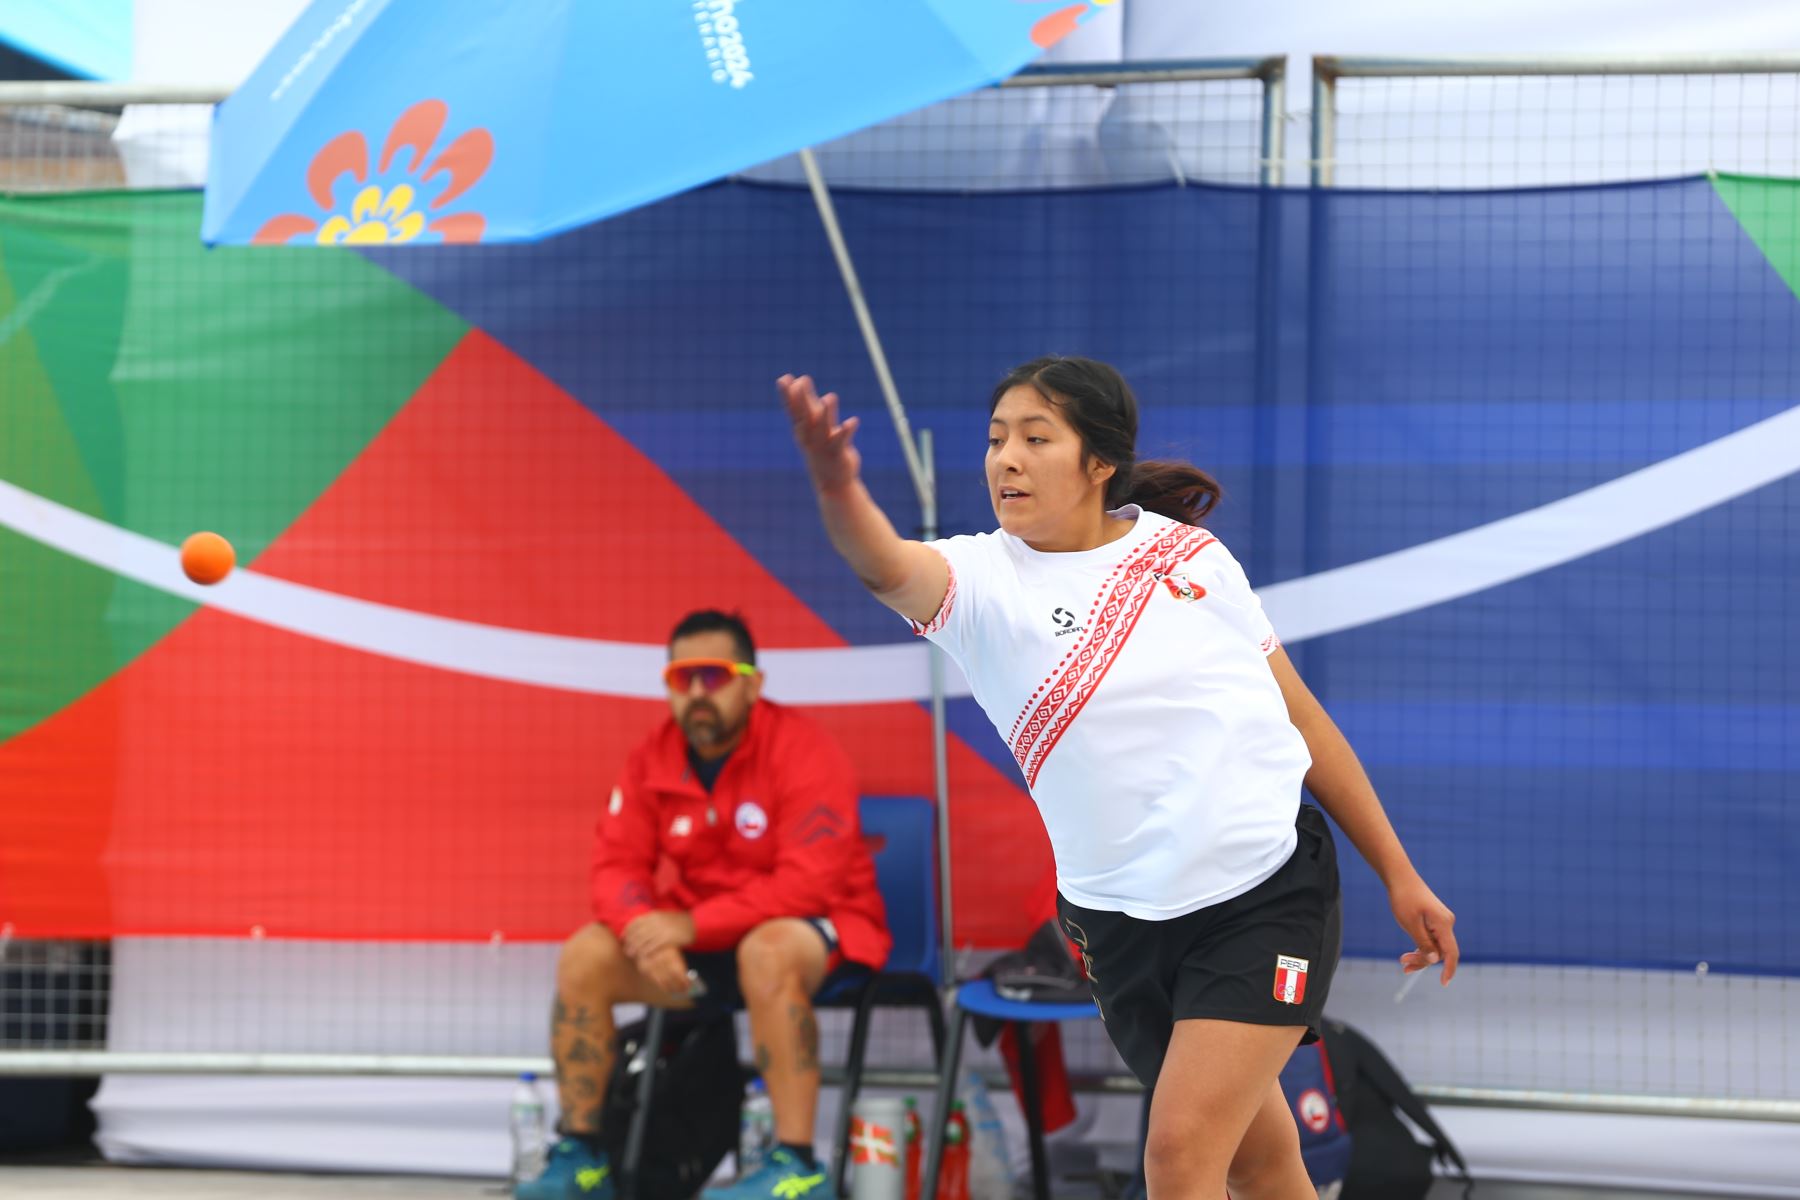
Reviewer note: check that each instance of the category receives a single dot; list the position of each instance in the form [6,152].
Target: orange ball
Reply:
[207,557]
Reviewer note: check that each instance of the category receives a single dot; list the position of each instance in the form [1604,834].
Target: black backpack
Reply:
[695,1103]
[1386,1161]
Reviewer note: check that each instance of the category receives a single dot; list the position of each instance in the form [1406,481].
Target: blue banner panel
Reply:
[1594,761]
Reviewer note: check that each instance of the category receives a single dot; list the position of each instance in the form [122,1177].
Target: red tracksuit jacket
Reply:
[777,837]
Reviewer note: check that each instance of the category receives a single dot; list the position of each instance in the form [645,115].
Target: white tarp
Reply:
[219,41]
[1559,1029]
[1070,138]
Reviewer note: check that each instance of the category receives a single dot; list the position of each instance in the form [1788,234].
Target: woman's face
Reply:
[1041,490]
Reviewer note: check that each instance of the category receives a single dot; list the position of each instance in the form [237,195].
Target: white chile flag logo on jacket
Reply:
[1290,979]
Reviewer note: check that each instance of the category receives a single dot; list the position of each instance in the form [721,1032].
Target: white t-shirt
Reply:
[1130,682]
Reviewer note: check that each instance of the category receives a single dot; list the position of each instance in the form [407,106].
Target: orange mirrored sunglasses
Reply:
[713,673]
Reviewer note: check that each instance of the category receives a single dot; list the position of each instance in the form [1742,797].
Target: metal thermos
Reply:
[878,1149]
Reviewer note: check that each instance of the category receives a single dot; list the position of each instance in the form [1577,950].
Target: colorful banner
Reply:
[1512,470]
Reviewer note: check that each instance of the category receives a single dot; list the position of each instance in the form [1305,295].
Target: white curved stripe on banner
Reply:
[831,675]
[1539,538]
[1331,601]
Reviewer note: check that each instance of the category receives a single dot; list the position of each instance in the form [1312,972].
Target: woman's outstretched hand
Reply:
[909,578]
[825,441]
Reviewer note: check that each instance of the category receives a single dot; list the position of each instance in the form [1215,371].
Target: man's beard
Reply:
[704,727]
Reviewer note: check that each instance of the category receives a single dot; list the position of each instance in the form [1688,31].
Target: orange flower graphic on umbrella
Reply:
[386,210]
[1061,23]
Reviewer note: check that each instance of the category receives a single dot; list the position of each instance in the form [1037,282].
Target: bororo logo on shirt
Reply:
[752,822]
[1064,620]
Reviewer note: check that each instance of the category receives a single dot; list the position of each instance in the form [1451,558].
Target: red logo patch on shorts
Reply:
[1290,979]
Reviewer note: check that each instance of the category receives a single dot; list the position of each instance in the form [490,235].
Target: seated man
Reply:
[773,891]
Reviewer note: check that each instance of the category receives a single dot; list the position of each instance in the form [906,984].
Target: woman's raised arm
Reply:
[907,576]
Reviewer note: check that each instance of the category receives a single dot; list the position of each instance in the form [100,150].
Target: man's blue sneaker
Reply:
[573,1172]
[781,1177]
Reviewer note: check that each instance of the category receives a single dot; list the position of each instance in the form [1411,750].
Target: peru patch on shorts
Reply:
[1290,979]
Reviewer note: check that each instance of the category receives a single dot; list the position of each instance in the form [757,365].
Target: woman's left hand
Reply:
[1428,922]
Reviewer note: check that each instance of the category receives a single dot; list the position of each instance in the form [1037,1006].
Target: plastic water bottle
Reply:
[990,1168]
[756,1128]
[529,1145]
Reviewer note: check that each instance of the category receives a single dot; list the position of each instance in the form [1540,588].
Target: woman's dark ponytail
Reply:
[1098,403]
[1177,490]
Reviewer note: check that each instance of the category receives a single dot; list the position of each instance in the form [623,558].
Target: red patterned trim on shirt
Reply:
[1053,709]
[943,612]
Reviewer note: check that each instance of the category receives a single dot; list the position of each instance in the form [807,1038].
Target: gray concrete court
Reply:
[98,1181]
[157,1183]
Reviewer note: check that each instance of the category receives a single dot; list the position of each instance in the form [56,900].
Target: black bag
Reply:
[1386,1161]
[1044,972]
[695,1103]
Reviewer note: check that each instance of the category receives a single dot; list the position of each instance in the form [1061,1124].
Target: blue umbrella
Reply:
[383,121]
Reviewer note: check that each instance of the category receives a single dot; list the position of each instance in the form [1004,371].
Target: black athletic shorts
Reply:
[1265,957]
[718,974]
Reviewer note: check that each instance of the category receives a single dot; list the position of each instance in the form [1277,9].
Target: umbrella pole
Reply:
[919,466]
[915,466]
[940,747]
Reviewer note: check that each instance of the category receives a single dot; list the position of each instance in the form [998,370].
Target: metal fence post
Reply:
[1324,121]
[1273,74]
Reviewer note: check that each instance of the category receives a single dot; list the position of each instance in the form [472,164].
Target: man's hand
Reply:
[668,970]
[666,929]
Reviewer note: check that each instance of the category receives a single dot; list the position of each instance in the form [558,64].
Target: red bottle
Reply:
[953,1179]
[914,1138]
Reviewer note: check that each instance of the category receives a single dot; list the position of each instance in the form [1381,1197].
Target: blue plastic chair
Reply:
[979,999]
[903,833]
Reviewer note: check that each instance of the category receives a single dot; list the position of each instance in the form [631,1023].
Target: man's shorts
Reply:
[718,971]
[1264,958]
